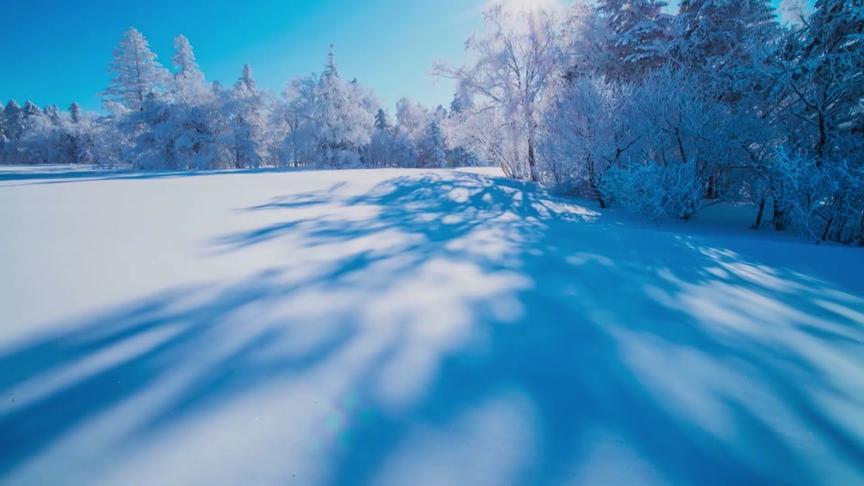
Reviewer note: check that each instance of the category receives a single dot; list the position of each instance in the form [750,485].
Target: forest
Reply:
[660,111]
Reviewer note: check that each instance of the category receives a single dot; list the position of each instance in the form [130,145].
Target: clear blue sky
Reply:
[57,51]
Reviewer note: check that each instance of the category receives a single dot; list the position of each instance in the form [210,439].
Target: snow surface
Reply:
[411,327]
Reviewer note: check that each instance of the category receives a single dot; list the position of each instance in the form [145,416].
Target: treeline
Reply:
[665,113]
[660,112]
[176,120]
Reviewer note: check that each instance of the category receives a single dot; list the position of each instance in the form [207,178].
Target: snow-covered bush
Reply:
[654,190]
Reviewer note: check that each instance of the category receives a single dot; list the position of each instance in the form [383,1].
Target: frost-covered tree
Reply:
[331,120]
[679,142]
[189,85]
[821,73]
[517,62]
[411,118]
[196,120]
[13,128]
[75,112]
[389,146]
[248,111]
[587,131]
[381,120]
[78,141]
[137,74]
[640,37]
[432,150]
[727,43]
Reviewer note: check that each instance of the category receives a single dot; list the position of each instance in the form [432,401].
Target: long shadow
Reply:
[65,175]
[696,354]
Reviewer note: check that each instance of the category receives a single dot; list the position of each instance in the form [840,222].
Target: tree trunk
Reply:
[827,229]
[823,139]
[711,190]
[532,162]
[592,180]
[760,214]
[780,217]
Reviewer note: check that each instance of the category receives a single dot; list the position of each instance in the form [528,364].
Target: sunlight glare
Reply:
[524,6]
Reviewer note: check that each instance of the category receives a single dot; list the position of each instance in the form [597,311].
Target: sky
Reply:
[58,51]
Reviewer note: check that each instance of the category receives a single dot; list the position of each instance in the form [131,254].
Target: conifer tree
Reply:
[137,74]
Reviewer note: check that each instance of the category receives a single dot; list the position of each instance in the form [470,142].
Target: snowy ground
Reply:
[406,327]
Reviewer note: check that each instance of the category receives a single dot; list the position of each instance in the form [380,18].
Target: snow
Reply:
[411,327]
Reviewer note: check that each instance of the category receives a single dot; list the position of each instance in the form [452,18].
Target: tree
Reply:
[189,85]
[247,112]
[822,74]
[432,151]
[518,62]
[727,43]
[332,120]
[75,113]
[411,118]
[381,120]
[587,131]
[640,40]
[822,85]
[137,74]
[78,141]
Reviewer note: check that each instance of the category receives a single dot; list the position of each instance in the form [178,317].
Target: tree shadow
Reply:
[40,175]
[694,359]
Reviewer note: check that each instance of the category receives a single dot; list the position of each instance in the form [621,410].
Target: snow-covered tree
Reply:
[332,120]
[517,62]
[13,128]
[189,85]
[78,141]
[382,122]
[248,111]
[587,131]
[727,43]
[137,74]
[640,37]
[412,118]
[432,150]
[821,73]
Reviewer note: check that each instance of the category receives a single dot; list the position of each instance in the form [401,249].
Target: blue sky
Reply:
[57,51]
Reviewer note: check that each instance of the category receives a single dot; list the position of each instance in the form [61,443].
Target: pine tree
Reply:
[728,42]
[77,144]
[246,83]
[432,150]
[189,84]
[247,114]
[75,113]
[641,37]
[137,74]
[381,121]
[13,119]
[330,69]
